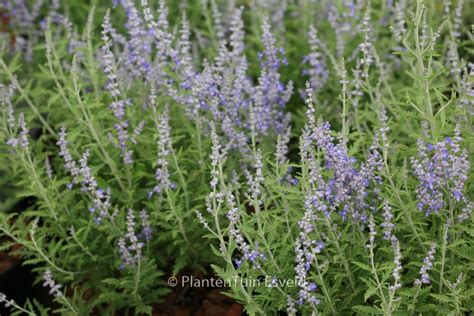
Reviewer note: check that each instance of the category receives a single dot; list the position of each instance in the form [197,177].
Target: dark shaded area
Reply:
[189,300]
[17,284]
[16,280]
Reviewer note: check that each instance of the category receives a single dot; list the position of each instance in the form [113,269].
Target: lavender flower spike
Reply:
[290,309]
[248,254]
[69,162]
[427,265]
[22,139]
[6,95]
[129,246]
[108,58]
[255,182]
[387,224]
[49,282]
[282,146]
[237,33]
[164,150]
[217,156]
[318,73]
[398,267]
[306,249]
[372,232]
[146,228]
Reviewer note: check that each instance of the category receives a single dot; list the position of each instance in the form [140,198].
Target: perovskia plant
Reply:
[153,138]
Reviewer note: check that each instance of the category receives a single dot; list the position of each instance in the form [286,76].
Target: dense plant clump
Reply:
[314,155]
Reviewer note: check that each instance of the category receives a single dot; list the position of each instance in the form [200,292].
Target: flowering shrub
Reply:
[315,155]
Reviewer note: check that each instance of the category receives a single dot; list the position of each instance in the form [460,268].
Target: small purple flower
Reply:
[312,287]
[13,142]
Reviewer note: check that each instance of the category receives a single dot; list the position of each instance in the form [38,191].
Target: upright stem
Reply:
[326,293]
[137,279]
[345,132]
[200,149]
[91,60]
[222,243]
[51,263]
[210,27]
[178,218]
[41,189]
[86,251]
[422,71]
[400,201]
[415,298]
[377,280]
[108,160]
[262,236]
[443,256]
[342,253]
